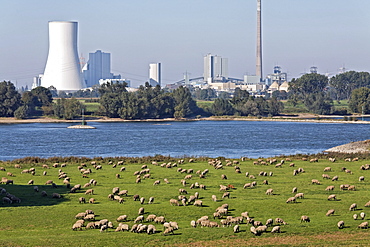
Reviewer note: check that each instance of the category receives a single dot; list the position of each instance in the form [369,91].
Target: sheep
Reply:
[30,182]
[151,217]
[174,202]
[276,229]
[305,218]
[136,197]
[56,195]
[9,181]
[236,229]
[269,222]
[214,198]
[49,182]
[361,179]
[174,225]
[269,192]
[103,228]
[353,207]
[141,211]
[367,204]
[315,181]
[332,197]
[351,187]
[294,190]
[327,169]
[348,171]
[80,215]
[198,203]
[82,200]
[299,195]
[330,212]
[335,178]
[139,219]
[77,226]
[340,224]
[156,182]
[7,200]
[325,176]
[168,230]
[344,186]
[89,192]
[151,229]
[89,217]
[115,190]
[123,192]
[121,218]
[329,188]
[138,180]
[291,199]
[159,219]
[355,216]
[43,193]
[280,221]
[142,200]
[151,200]
[92,200]
[362,215]
[226,194]
[182,191]
[36,188]
[363,225]
[196,194]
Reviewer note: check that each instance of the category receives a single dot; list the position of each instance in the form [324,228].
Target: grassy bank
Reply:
[46,221]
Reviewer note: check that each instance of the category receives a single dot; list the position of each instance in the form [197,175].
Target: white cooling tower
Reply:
[62,67]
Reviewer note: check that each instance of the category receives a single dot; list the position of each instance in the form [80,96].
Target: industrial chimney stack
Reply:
[259,42]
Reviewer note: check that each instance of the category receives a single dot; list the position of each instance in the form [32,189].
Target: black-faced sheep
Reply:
[305,218]
[340,224]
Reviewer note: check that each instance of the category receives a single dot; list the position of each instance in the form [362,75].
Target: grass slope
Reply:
[44,221]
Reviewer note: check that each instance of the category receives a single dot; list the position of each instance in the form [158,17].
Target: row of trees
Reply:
[147,102]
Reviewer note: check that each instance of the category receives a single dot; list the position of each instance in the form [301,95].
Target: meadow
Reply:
[47,221]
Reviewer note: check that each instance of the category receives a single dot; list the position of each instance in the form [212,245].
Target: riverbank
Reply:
[351,148]
[283,118]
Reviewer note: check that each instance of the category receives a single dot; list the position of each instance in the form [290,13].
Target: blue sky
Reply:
[297,34]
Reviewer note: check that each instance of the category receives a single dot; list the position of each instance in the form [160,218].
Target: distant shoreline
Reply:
[299,118]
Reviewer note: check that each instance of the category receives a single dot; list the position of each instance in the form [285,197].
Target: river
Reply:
[232,139]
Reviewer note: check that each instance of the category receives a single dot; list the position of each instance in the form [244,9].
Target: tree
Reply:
[319,103]
[359,101]
[221,107]
[43,95]
[67,108]
[185,106]
[343,84]
[10,99]
[308,83]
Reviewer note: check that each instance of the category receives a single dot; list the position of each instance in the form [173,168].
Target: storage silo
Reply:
[62,68]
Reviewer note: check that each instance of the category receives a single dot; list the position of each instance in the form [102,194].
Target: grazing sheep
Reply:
[236,229]
[80,215]
[122,218]
[353,207]
[82,200]
[168,230]
[214,198]
[305,218]
[151,217]
[325,176]
[362,215]
[136,197]
[139,219]
[89,217]
[330,212]
[92,200]
[269,192]
[89,192]
[226,194]
[142,200]
[276,229]
[280,221]
[56,195]
[174,202]
[329,188]
[159,219]
[115,190]
[269,222]
[332,197]
[363,225]
[49,182]
[43,193]
[340,224]
[294,190]
[299,195]
[315,181]
[351,187]
[344,186]
[182,191]
[335,178]
[30,182]
[193,223]
[123,192]
[361,179]
[151,229]
[77,226]
[151,200]
[103,228]
[327,169]
[141,211]
[156,182]
[291,199]
[198,203]
[367,204]
[355,216]
[36,188]
[7,200]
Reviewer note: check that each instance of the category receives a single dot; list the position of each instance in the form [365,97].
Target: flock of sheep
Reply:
[222,216]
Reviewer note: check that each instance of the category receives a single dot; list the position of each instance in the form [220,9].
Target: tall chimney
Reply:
[259,42]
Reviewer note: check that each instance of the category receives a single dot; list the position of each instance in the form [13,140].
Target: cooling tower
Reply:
[62,68]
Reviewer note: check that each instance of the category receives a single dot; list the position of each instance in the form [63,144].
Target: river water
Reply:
[231,139]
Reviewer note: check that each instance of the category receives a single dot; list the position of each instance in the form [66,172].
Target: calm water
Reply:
[231,139]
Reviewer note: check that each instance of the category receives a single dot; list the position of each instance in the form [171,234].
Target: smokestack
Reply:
[259,42]
[62,68]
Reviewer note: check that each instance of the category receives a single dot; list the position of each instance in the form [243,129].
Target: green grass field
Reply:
[45,221]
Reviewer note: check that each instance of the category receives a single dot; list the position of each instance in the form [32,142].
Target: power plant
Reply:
[259,42]
[62,68]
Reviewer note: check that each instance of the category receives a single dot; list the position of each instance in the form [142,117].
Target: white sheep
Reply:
[236,229]
[340,224]
[275,229]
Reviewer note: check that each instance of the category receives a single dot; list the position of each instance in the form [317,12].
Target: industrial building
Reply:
[98,67]
[155,74]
